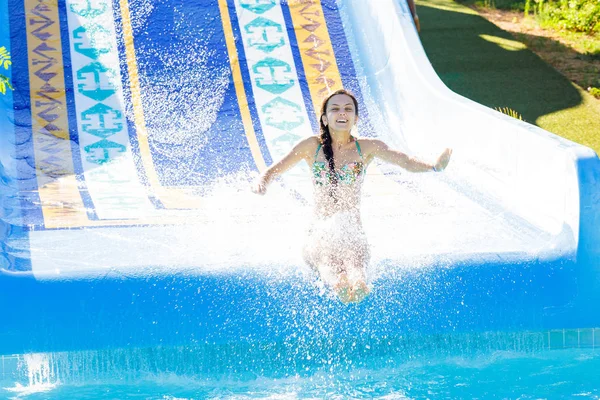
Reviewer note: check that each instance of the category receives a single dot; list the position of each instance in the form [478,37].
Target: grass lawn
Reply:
[480,61]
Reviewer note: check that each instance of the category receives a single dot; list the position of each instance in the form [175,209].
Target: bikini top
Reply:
[348,174]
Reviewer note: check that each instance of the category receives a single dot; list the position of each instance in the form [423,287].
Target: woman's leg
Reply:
[340,262]
[355,265]
[331,271]
[343,289]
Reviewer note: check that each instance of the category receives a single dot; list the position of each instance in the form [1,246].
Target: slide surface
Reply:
[134,130]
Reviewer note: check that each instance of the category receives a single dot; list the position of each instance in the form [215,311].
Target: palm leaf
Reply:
[5,58]
[510,112]
[4,83]
[4,54]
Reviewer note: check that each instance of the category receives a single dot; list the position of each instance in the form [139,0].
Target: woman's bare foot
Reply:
[360,291]
[343,289]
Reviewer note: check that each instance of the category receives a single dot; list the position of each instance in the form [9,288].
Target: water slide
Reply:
[134,130]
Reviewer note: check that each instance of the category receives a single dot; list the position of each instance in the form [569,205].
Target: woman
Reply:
[336,246]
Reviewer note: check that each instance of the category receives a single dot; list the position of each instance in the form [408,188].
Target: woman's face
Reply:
[340,114]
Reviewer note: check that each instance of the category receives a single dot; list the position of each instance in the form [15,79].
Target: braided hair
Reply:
[325,137]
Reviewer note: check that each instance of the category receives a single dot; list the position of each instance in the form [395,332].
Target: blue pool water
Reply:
[503,366]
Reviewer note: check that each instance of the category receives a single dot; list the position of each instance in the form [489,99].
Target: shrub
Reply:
[571,15]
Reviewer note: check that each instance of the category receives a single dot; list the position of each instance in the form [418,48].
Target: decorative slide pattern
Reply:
[109,174]
[315,47]
[107,161]
[60,198]
[279,102]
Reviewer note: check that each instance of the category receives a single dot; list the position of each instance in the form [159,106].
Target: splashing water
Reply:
[182,106]
[40,375]
[143,9]
[182,91]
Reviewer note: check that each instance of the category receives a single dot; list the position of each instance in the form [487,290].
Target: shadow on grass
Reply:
[581,68]
[478,60]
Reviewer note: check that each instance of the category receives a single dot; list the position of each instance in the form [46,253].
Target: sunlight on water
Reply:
[143,9]
[40,376]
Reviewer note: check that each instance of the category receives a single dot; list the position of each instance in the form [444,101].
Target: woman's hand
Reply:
[443,160]
[259,186]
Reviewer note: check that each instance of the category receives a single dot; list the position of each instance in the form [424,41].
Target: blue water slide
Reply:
[135,128]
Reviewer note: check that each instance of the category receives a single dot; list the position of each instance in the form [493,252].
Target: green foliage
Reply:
[594,91]
[5,62]
[571,15]
[515,5]
[510,112]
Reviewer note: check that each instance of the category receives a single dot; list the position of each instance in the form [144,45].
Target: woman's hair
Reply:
[326,136]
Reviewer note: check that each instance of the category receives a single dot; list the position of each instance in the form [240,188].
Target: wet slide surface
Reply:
[127,114]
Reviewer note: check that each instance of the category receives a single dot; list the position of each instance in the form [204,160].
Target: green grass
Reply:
[562,55]
[586,41]
[478,60]
[584,44]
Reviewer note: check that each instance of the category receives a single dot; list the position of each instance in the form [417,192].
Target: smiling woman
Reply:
[336,245]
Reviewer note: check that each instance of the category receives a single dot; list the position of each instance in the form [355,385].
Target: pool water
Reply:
[514,367]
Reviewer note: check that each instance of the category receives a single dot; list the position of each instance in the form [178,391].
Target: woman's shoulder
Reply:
[367,143]
[310,142]
[364,139]
[314,139]
[306,146]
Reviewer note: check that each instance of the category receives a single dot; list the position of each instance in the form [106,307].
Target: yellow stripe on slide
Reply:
[239,87]
[60,199]
[136,96]
[316,51]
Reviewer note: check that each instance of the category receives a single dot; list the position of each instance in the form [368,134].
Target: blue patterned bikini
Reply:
[348,174]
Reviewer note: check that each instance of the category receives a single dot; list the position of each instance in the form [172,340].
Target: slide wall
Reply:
[135,128]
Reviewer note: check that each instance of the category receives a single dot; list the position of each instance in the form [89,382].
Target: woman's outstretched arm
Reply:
[375,148]
[301,151]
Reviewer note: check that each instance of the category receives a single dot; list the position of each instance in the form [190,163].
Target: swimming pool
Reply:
[540,365]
